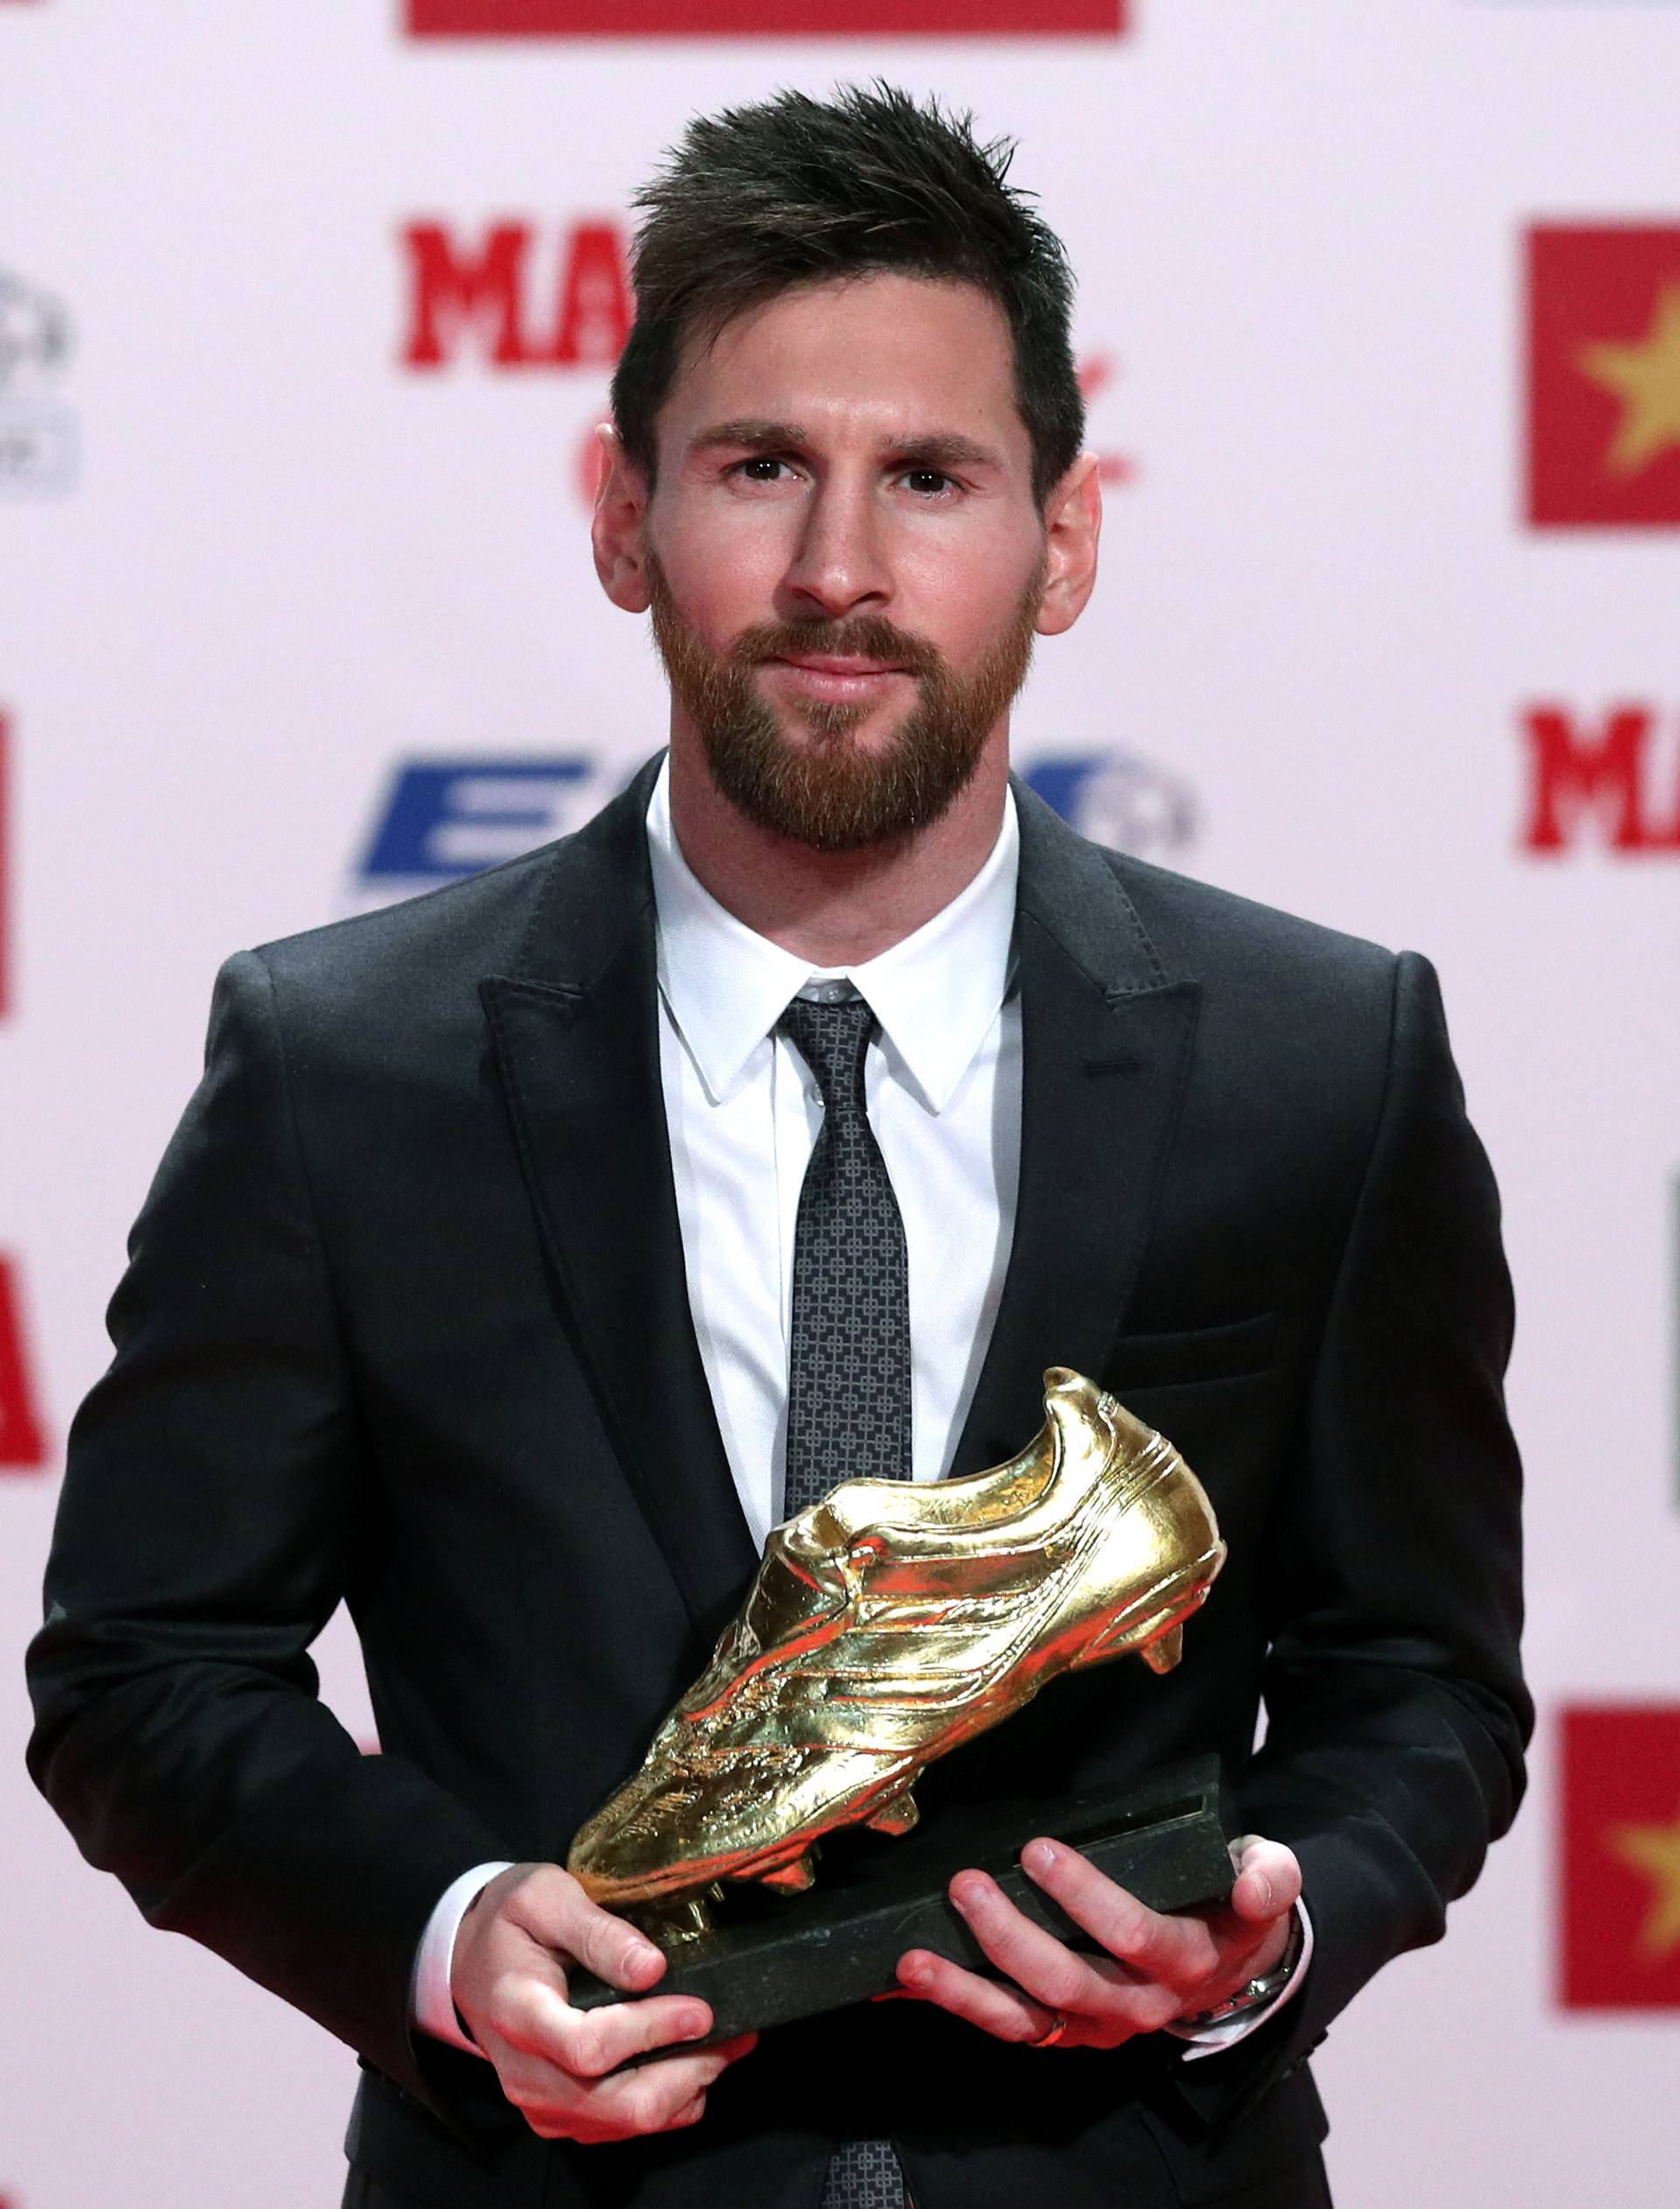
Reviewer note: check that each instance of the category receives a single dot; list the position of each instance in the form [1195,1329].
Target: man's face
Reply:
[844,555]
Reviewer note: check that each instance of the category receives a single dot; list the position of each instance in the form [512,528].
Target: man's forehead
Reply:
[887,357]
[890,322]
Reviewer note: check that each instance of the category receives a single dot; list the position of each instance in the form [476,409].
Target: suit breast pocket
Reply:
[1192,1356]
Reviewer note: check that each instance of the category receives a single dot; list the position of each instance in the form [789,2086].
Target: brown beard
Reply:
[833,796]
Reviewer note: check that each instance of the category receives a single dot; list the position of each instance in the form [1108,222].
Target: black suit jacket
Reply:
[406,1324]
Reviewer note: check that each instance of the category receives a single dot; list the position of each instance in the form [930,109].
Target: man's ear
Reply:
[616,531]
[1073,523]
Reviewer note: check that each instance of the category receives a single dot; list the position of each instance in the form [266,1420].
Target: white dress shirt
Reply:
[943,1081]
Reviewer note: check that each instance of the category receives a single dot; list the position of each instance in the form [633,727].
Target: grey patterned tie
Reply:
[848,1361]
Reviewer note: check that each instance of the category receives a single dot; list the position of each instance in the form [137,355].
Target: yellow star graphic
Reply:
[1654,1851]
[1646,378]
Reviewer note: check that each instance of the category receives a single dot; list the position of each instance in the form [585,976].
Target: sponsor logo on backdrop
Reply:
[440,820]
[1120,799]
[23,1443]
[23,1437]
[1605,780]
[38,431]
[1621,1857]
[1098,373]
[1604,374]
[764,18]
[517,296]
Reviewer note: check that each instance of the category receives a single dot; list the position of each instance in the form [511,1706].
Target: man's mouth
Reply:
[845,676]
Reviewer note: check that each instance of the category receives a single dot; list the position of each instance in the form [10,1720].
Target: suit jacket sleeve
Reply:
[208,1525]
[1396,1715]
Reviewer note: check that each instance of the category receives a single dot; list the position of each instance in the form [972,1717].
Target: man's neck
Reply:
[833,908]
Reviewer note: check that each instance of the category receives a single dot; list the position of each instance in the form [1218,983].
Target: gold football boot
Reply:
[893,1622]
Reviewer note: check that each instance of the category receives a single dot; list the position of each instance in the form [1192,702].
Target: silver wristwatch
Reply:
[1258,1991]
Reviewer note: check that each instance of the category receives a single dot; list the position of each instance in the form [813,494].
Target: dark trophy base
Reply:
[771,1959]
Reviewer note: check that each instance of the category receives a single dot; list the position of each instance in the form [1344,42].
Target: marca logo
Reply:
[22,1448]
[515,301]
[1604,376]
[1098,372]
[23,1438]
[515,297]
[442,820]
[1612,782]
[1621,1857]
[764,18]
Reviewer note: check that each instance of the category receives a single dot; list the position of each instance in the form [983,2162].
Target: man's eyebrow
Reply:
[752,433]
[937,448]
[949,449]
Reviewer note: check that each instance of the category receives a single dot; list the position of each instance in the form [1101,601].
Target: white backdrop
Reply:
[252,565]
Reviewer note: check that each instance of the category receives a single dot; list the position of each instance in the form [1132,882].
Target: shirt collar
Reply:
[935,994]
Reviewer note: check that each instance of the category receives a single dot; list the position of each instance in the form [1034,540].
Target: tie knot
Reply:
[832,1039]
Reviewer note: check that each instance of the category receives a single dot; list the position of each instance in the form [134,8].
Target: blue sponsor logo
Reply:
[1118,799]
[444,820]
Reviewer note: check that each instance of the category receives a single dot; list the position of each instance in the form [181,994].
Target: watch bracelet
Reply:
[1258,1991]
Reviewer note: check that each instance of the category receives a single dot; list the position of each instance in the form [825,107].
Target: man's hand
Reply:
[1157,1969]
[559,2065]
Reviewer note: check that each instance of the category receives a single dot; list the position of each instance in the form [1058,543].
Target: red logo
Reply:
[1614,780]
[1096,373]
[1621,1843]
[514,298]
[23,1440]
[1604,374]
[518,304]
[765,18]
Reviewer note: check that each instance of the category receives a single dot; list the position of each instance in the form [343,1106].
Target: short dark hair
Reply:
[794,190]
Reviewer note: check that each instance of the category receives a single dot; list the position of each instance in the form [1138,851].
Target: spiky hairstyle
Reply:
[794,190]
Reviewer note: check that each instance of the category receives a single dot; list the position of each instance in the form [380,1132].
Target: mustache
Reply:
[864,636]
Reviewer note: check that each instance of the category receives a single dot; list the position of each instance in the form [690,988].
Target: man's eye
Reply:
[928,483]
[762,468]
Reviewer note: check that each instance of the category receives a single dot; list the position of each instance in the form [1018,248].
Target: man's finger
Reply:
[1267,1879]
[613,1951]
[553,1910]
[1179,1951]
[1045,1968]
[651,2099]
[1004,2011]
[590,2042]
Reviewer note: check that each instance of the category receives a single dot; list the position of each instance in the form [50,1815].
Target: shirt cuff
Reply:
[431,2004]
[1213,2040]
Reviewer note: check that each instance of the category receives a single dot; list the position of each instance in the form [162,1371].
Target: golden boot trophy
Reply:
[886,1626]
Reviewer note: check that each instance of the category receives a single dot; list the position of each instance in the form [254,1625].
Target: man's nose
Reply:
[840,562]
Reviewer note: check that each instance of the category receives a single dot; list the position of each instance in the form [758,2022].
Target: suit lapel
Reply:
[1106,1044]
[576,1034]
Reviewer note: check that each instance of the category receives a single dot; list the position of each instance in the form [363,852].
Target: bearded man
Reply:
[500,1283]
